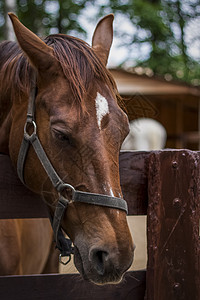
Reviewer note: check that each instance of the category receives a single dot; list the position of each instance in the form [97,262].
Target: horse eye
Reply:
[61,136]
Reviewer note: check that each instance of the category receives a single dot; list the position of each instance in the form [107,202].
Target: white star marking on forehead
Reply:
[102,108]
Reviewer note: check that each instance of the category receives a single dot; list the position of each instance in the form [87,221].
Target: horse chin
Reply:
[88,274]
[111,280]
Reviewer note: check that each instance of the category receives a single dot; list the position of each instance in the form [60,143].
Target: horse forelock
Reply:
[80,64]
[77,59]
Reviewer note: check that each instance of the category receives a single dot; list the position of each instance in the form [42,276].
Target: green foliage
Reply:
[32,14]
[44,17]
[161,25]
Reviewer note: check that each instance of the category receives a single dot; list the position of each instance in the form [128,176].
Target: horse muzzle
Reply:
[102,265]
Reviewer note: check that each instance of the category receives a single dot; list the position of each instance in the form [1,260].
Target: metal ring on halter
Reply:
[26,134]
[63,186]
[62,262]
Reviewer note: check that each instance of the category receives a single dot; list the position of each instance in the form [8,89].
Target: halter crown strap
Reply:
[63,244]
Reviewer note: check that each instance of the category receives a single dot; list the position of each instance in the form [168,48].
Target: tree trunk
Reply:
[10,6]
[182,42]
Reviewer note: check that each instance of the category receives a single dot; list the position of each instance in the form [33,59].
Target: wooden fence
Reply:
[164,185]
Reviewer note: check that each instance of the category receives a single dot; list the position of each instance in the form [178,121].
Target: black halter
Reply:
[63,244]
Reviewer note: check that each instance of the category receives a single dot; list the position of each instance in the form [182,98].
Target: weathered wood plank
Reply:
[173,270]
[133,166]
[70,287]
[16,201]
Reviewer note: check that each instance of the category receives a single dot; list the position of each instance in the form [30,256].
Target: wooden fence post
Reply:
[173,271]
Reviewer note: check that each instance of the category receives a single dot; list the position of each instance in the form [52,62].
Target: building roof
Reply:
[129,83]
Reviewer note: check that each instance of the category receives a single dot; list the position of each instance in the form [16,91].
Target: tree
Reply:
[9,5]
[161,24]
[44,17]
[2,20]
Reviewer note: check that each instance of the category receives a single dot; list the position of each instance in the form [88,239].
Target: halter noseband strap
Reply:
[63,244]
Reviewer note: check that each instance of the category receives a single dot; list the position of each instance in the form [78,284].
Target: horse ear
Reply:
[103,37]
[40,55]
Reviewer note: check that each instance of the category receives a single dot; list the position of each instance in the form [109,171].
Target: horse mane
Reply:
[78,61]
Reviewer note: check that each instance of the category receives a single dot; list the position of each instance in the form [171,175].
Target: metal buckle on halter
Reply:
[64,262]
[63,186]
[26,134]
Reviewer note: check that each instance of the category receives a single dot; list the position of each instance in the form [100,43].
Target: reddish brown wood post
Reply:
[173,271]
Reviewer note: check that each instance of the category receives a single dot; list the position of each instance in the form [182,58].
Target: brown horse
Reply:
[26,247]
[81,128]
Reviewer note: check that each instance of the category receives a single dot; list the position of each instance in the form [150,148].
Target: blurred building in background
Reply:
[175,105]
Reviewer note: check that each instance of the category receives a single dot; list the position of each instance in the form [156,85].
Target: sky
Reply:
[193,38]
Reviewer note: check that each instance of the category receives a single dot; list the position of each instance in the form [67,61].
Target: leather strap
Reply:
[63,244]
[35,142]
[21,159]
[100,199]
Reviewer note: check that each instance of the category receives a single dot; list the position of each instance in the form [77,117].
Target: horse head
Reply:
[81,128]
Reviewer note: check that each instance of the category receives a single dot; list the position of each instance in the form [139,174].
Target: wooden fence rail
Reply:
[164,185]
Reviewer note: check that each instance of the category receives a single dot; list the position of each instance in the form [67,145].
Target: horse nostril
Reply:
[99,259]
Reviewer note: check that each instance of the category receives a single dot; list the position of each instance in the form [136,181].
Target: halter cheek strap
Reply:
[63,244]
